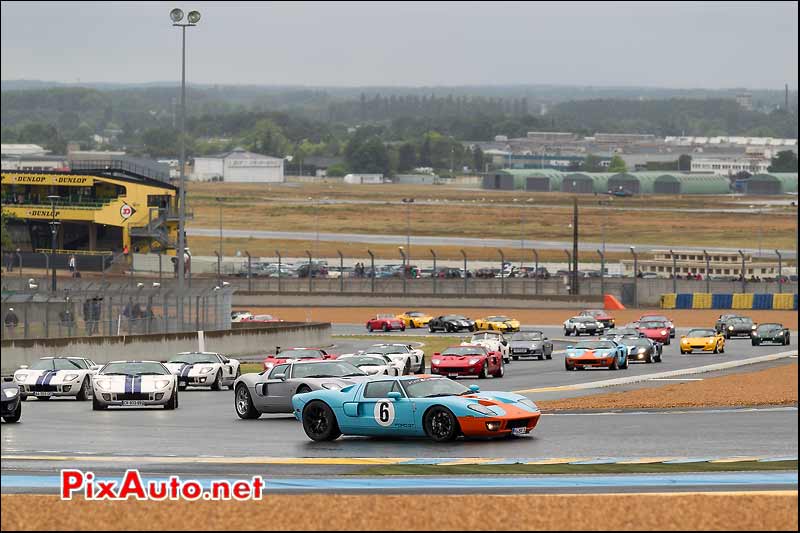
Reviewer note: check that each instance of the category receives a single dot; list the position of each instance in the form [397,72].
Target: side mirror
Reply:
[570,347]
[474,388]
[23,366]
[394,395]
[545,338]
[281,377]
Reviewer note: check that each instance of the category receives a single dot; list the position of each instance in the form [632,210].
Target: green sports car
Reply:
[775,333]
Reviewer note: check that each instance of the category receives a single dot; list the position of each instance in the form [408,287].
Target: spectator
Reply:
[72,264]
[67,320]
[125,252]
[9,257]
[11,321]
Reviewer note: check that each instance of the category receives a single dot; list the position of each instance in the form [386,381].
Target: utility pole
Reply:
[574,283]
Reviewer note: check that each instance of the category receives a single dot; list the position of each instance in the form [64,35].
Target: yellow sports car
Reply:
[705,340]
[498,323]
[415,319]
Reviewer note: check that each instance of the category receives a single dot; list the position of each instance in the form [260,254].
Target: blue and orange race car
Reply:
[414,406]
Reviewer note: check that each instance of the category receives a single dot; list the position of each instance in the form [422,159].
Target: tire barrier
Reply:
[703,300]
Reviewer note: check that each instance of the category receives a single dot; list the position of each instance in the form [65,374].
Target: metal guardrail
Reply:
[73,252]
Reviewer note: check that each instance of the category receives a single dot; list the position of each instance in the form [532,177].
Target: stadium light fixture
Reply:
[176,15]
[194,17]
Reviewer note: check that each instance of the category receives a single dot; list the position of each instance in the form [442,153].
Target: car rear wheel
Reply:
[613,365]
[421,369]
[624,365]
[319,422]
[244,403]
[385,327]
[569,366]
[440,424]
[173,402]
[431,329]
[369,328]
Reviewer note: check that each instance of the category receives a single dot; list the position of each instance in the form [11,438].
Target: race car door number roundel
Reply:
[384,412]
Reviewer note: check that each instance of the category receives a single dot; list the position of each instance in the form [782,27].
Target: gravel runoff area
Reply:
[746,511]
[773,386]
[555,317]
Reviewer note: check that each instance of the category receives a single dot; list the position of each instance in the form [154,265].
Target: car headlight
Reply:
[474,361]
[10,392]
[482,409]
[730,328]
[436,361]
[70,377]
[206,369]
[103,384]
[663,332]
[268,365]
[162,383]
[753,327]
[21,376]
[331,386]
[529,403]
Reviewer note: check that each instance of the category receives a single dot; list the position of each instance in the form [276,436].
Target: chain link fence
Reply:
[112,308]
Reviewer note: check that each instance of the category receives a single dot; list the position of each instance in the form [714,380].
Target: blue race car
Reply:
[605,353]
[413,406]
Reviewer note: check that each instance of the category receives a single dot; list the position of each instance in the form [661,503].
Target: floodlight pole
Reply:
[780,270]
[182,182]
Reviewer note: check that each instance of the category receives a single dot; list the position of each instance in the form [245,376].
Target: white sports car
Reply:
[412,360]
[56,376]
[579,325]
[374,364]
[204,369]
[134,384]
[493,341]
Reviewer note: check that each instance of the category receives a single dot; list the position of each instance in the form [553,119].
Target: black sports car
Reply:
[722,322]
[11,405]
[451,323]
[770,333]
[739,326]
[642,349]
[530,344]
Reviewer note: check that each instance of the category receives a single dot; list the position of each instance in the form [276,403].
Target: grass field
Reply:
[476,213]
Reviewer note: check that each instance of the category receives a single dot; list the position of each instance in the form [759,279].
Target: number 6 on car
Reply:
[384,413]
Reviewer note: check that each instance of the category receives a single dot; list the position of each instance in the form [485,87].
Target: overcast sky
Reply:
[680,44]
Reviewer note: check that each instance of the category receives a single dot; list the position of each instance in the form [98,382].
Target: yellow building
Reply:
[97,211]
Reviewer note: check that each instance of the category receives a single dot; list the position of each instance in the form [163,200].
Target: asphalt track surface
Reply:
[420,240]
[206,425]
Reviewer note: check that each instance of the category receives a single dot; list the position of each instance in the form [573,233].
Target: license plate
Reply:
[519,431]
[452,375]
[132,402]
[40,393]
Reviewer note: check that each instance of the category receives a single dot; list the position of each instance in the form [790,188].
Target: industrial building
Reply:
[239,166]
[720,265]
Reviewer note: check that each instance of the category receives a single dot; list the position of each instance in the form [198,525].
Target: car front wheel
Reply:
[244,403]
[15,416]
[440,424]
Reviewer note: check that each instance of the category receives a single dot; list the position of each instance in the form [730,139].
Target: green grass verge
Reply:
[655,468]
[430,344]
[251,368]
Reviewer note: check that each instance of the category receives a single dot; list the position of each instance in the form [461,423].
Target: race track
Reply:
[206,425]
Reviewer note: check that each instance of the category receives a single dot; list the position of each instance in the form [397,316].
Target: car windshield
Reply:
[414,313]
[365,361]
[533,336]
[455,317]
[299,354]
[465,350]
[593,312]
[584,319]
[54,364]
[742,320]
[652,325]
[134,369]
[653,318]
[484,336]
[385,315]
[326,369]
[193,358]
[386,350]
[701,333]
[433,387]
[498,319]
[769,327]
[81,363]
[642,343]
[622,332]
[594,345]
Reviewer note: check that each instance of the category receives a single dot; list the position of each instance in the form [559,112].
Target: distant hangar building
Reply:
[239,166]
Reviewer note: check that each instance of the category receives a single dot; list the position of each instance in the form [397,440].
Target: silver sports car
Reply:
[204,369]
[134,384]
[271,391]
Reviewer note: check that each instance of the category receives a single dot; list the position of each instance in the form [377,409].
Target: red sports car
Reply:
[296,354]
[601,316]
[385,322]
[468,360]
[655,330]
[659,317]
